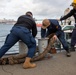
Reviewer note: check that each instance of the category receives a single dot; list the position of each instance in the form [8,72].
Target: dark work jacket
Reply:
[71,13]
[27,22]
[53,28]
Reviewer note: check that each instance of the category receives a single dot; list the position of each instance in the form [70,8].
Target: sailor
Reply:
[22,30]
[72,13]
[52,26]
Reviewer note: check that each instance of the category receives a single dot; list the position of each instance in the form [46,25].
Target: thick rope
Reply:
[20,58]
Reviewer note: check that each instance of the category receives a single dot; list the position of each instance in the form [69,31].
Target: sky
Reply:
[12,9]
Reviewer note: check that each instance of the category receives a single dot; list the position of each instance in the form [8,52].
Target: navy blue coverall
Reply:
[71,13]
[55,28]
[22,31]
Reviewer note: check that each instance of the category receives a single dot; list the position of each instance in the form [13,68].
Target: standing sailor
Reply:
[72,13]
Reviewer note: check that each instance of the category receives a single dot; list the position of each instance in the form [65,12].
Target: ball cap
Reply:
[45,23]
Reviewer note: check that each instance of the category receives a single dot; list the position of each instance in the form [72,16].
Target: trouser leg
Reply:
[73,40]
[29,40]
[65,45]
[63,41]
[9,42]
[31,51]
[31,47]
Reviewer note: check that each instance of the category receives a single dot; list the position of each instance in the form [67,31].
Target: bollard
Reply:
[22,47]
[42,44]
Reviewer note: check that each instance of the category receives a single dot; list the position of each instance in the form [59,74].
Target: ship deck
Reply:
[58,64]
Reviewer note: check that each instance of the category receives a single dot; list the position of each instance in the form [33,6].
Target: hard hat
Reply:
[73,3]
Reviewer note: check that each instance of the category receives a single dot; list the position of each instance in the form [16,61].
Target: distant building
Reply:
[7,21]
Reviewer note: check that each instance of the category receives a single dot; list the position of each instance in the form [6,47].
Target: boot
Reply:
[27,64]
[68,54]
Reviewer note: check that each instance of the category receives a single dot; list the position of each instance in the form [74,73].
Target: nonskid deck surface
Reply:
[58,64]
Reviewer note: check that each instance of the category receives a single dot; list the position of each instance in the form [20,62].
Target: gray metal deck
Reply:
[59,64]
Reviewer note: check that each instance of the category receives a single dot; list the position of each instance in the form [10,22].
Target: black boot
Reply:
[68,54]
